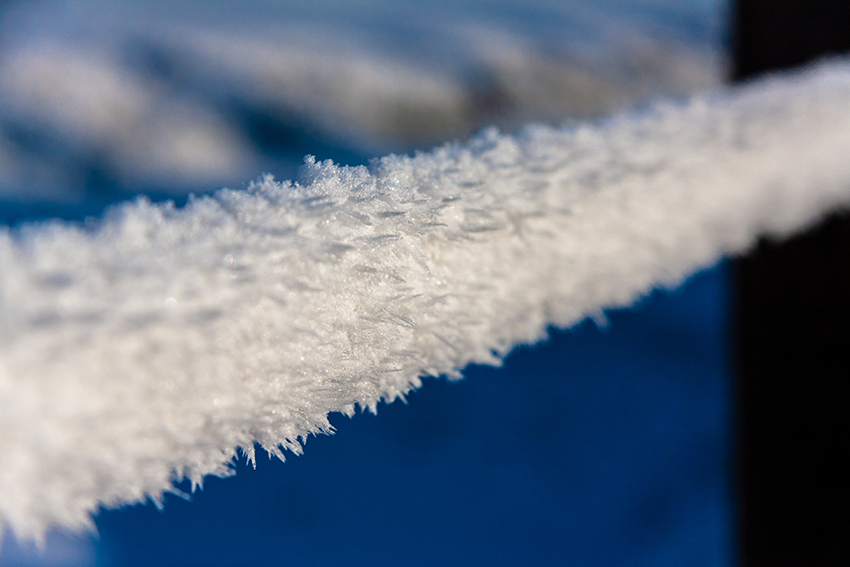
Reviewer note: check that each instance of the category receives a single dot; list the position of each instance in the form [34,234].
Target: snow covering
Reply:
[103,98]
[156,343]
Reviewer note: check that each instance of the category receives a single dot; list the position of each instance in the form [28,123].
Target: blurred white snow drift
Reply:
[103,100]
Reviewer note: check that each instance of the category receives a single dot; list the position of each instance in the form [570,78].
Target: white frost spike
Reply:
[153,346]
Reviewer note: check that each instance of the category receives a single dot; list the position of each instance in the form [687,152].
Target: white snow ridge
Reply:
[151,347]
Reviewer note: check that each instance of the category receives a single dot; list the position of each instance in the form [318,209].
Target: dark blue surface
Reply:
[600,447]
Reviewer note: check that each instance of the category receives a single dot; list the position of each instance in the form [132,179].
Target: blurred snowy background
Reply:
[602,447]
[101,100]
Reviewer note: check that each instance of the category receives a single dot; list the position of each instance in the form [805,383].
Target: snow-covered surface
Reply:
[152,345]
[100,100]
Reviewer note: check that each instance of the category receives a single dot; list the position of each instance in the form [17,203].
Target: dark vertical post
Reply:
[793,337]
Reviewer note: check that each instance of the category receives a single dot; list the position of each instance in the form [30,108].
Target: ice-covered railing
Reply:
[155,344]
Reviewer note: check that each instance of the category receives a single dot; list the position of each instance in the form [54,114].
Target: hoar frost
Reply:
[154,345]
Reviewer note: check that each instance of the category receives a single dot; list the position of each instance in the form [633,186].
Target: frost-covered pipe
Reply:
[151,347]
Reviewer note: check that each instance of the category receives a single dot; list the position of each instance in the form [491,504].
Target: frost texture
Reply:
[153,346]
